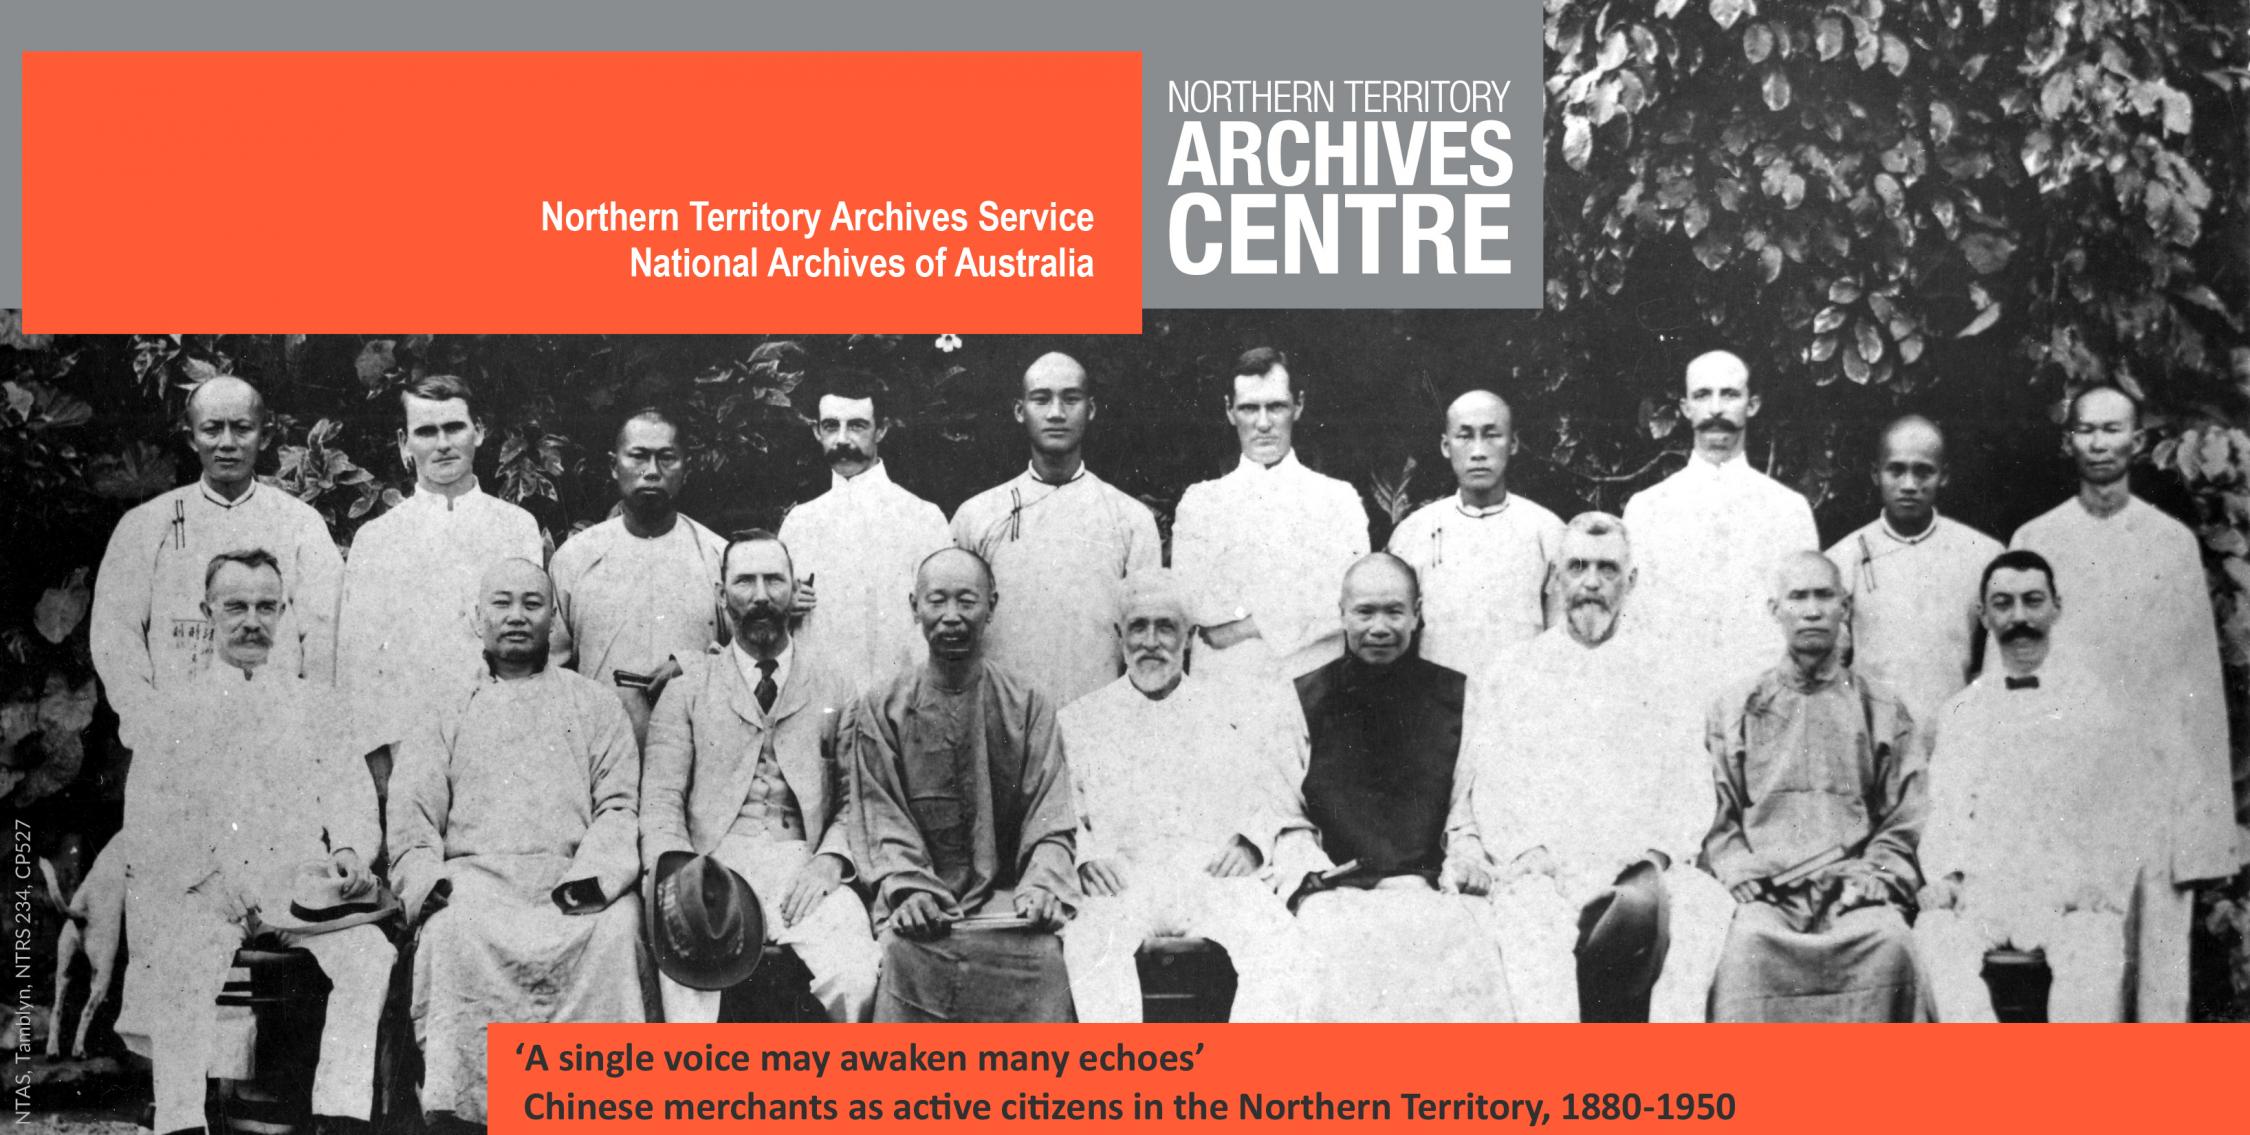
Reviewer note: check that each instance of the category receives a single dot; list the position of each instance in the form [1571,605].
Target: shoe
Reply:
[341,1125]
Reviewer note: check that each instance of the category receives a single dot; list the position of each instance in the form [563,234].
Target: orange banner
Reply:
[1783,1078]
[562,192]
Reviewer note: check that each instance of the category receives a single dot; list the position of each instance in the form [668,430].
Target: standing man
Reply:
[1265,546]
[1483,554]
[1707,537]
[1181,791]
[2145,627]
[741,766]
[1912,575]
[632,592]
[963,812]
[860,541]
[1821,798]
[148,633]
[516,844]
[406,632]
[1060,541]
[1593,799]
[1383,848]
[2049,808]
[255,789]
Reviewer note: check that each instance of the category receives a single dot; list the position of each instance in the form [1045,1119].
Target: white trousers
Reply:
[2085,951]
[1402,952]
[833,941]
[1177,900]
[1538,928]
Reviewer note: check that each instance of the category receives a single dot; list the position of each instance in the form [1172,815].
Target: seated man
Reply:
[742,767]
[962,811]
[1180,787]
[2048,807]
[1383,839]
[1821,798]
[257,786]
[1592,795]
[517,844]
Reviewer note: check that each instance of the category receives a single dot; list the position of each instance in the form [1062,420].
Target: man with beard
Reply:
[741,766]
[2142,623]
[1821,799]
[1382,849]
[630,592]
[1591,797]
[1912,575]
[147,631]
[516,844]
[255,787]
[1483,554]
[406,633]
[1181,789]
[2049,808]
[1060,541]
[1265,545]
[860,540]
[1706,538]
[962,813]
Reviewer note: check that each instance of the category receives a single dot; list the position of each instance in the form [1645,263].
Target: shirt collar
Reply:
[875,476]
[1288,465]
[213,495]
[1733,468]
[445,503]
[748,664]
[1032,472]
[1883,524]
[1461,505]
[1830,672]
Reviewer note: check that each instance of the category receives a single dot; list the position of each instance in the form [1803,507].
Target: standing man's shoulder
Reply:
[1413,533]
[582,548]
[2047,526]
[1845,552]
[1539,516]
[1969,539]
[146,517]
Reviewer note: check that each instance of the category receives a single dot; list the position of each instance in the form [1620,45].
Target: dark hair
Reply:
[439,388]
[844,382]
[653,416]
[2018,559]
[1255,363]
[754,536]
[2070,417]
[252,558]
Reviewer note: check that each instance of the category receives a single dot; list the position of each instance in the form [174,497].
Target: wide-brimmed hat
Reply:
[707,926]
[317,904]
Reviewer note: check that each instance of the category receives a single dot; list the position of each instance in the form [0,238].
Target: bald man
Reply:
[1483,553]
[1060,541]
[515,838]
[148,632]
[963,825]
[1912,575]
[1821,799]
[1181,790]
[1382,849]
[1707,538]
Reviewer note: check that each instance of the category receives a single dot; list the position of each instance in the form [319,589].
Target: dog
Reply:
[93,924]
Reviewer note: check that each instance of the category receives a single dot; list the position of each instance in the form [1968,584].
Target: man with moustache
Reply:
[1264,546]
[861,540]
[2049,808]
[741,766]
[147,630]
[254,787]
[963,820]
[1592,798]
[1060,541]
[1181,789]
[1381,851]
[1821,800]
[406,634]
[1483,554]
[1706,538]
[516,843]
[1912,575]
[630,592]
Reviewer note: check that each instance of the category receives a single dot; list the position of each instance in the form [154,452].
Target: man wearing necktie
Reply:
[741,766]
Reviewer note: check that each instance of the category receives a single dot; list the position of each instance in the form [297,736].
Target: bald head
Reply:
[1716,401]
[1382,608]
[1909,471]
[515,616]
[1056,405]
[1480,437]
[1805,569]
[951,566]
[953,600]
[235,393]
[1054,366]
[1155,592]
[226,422]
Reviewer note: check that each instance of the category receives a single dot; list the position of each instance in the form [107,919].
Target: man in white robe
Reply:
[859,542]
[1706,538]
[1592,797]
[634,592]
[147,631]
[255,784]
[1483,554]
[1265,547]
[2048,811]
[1912,575]
[2142,624]
[1060,541]
[1181,790]
[405,633]
[515,832]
